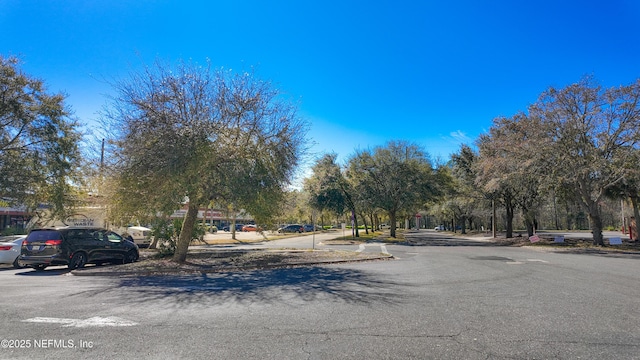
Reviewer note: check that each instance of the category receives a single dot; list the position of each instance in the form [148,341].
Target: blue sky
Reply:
[363,72]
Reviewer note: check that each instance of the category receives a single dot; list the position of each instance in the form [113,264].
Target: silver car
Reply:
[10,250]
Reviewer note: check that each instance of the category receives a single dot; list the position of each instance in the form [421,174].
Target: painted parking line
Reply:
[383,249]
[93,321]
[526,261]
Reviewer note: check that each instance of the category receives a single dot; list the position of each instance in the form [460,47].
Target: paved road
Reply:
[317,241]
[442,299]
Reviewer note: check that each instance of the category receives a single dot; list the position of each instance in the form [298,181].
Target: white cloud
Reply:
[460,137]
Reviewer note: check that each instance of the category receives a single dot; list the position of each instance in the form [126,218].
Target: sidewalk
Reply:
[225,237]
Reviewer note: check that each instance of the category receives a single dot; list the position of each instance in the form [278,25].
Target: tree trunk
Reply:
[509,209]
[596,224]
[463,224]
[530,227]
[596,229]
[186,234]
[364,222]
[555,211]
[636,215]
[374,226]
[529,221]
[392,220]
[355,222]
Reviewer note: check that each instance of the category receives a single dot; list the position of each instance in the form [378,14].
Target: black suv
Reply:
[75,247]
[291,228]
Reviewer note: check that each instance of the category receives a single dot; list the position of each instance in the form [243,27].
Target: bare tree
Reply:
[510,168]
[588,136]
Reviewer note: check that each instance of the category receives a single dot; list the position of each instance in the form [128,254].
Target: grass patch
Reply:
[383,236]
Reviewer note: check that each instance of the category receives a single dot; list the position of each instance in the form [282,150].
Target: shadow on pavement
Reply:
[571,246]
[46,272]
[289,284]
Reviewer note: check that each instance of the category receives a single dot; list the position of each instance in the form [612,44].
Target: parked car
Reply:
[291,228]
[384,227]
[10,247]
[228,227]
[75,247]
[310,227]
[439,228]
[250,227]
[141,235]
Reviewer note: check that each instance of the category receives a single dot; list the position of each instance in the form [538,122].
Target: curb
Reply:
[89,272]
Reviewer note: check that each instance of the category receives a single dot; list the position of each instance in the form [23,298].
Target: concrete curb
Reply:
[91,272]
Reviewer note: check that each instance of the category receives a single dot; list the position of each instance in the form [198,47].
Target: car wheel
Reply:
[78,261]
[39,267]
[131,256]
[17,263]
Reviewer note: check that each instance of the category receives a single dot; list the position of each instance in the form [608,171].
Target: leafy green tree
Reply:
[329,189]
[192,134]
[494,158]
[397,178]
[323,186]
[464,195]
[39,139]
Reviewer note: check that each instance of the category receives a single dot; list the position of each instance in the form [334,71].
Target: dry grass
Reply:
[574,243]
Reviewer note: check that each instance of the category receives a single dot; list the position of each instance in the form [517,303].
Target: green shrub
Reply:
[167,233]
[12,231]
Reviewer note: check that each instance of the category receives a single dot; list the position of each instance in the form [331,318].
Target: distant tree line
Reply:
[575,151]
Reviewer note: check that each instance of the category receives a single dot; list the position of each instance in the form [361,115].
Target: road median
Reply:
[201,262]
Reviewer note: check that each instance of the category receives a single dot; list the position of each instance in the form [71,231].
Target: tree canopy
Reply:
[39,153]
[581,140]
[324,185]
[193,134]
[397,178]
[588,135]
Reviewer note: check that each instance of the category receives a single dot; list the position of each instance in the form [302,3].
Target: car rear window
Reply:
[42,235]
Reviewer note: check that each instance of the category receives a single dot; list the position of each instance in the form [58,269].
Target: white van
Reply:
[141,235]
